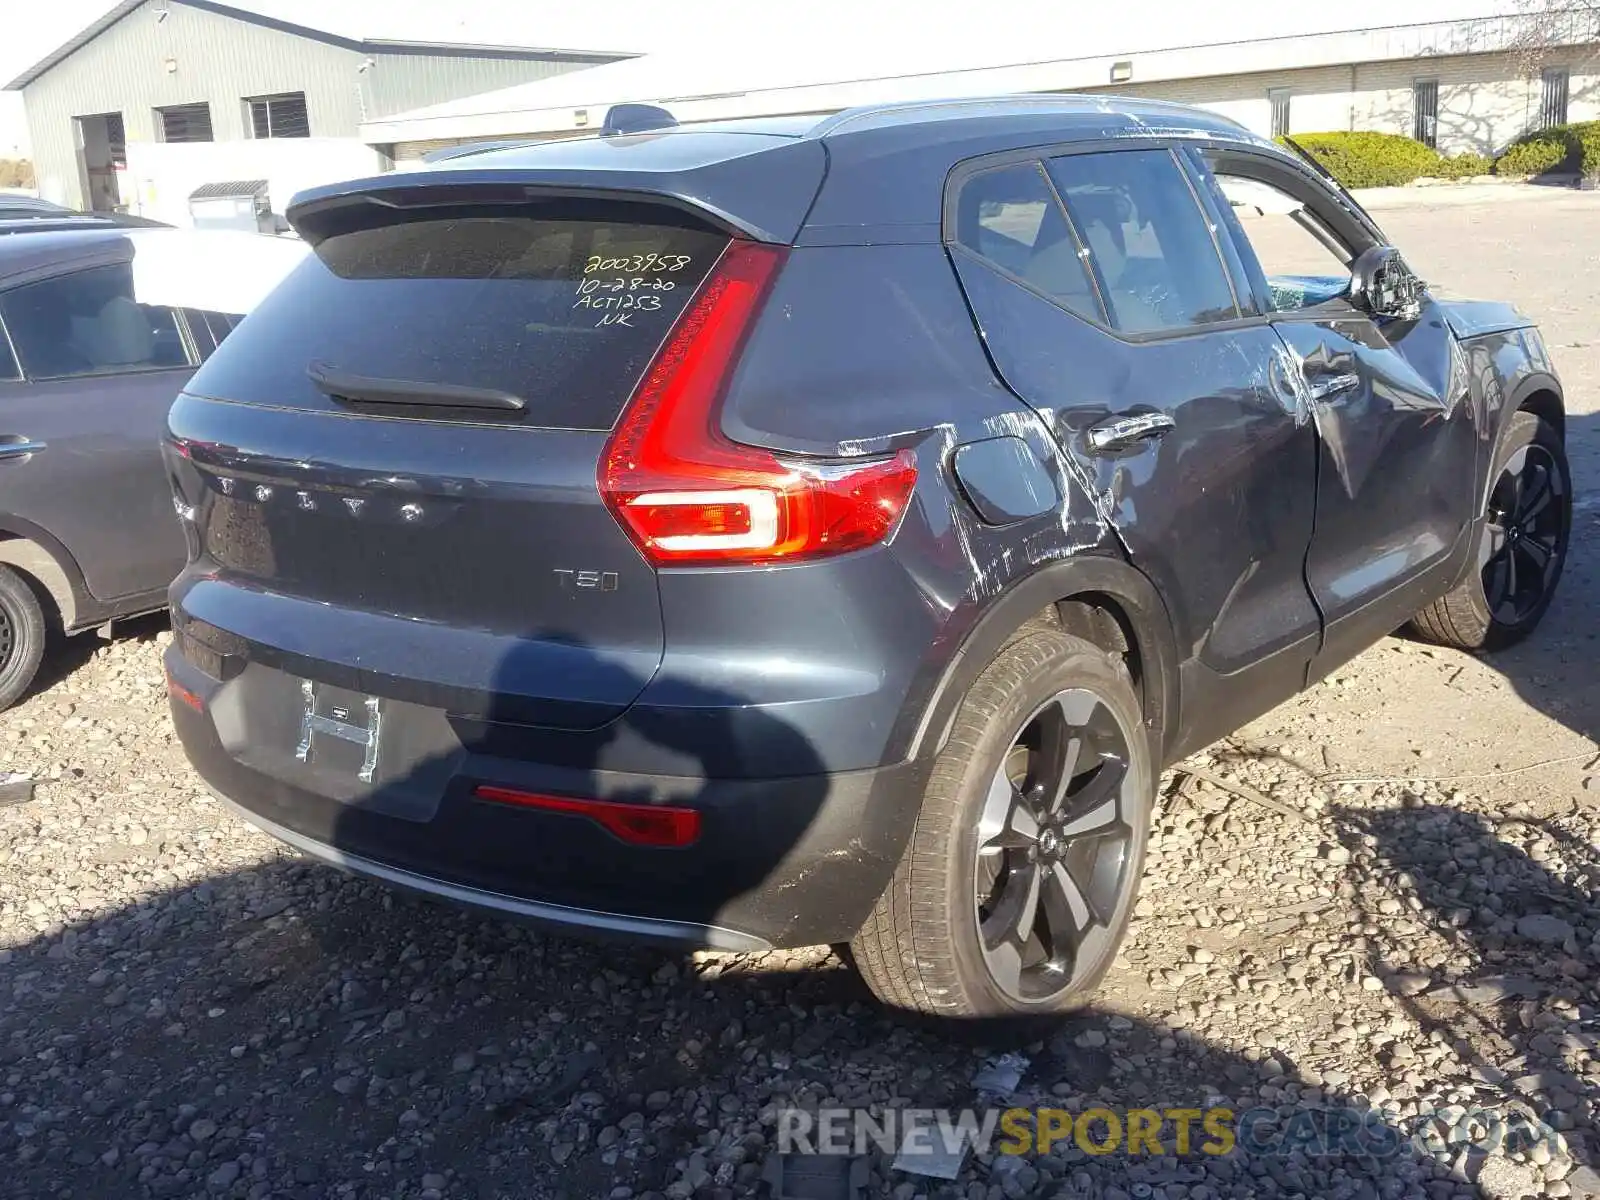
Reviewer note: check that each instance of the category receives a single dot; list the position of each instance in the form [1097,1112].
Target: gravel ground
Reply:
[1408,920]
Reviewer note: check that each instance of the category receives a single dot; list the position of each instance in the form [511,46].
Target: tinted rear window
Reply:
[565,313]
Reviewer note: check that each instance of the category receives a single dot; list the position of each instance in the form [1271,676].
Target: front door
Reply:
[1103,297]
[80,432]
[1398,443]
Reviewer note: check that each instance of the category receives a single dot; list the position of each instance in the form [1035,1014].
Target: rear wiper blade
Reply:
[365,389]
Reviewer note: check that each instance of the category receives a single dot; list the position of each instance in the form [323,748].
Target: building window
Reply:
[185,123]
[118,140]
[279,116]
[1425,112]
[1279,99]
[1553,101]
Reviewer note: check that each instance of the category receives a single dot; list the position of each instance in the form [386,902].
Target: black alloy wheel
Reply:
[1054,847]
[1521,551]
[1525,534]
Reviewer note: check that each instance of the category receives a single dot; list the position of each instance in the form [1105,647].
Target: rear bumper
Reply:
[712,937]
[780,862]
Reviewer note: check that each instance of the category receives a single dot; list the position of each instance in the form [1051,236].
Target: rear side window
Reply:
[1150,244]
[564,313]
[1011,218]
[88,323]
[8,361]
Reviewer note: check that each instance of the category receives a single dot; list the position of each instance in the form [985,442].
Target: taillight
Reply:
[686,494]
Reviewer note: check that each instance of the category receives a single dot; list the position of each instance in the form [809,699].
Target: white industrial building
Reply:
[159,99]
[1462,85]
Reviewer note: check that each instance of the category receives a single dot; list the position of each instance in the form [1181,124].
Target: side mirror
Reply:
[1384,285]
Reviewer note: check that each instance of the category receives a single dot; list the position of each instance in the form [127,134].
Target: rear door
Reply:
[391,464]
[1104,298]
[80,438]
[1399,442]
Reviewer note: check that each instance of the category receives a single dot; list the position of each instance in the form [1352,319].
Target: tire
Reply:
[1528,525]
[22,636]
[923,948]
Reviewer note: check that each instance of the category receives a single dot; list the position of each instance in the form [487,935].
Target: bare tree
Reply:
[1540,27]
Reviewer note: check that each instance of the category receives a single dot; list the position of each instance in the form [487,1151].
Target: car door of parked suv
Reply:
[80,454]
[1399,443]
[1104,296]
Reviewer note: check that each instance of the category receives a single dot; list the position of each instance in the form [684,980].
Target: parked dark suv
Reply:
[824,530]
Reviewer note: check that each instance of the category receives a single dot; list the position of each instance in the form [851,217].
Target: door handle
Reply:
[1120,433]
[1324,386]
[19,449]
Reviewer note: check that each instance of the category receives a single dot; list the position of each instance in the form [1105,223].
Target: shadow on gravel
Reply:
[1513,907]
[286,1031]
[1554,670]
[65,655]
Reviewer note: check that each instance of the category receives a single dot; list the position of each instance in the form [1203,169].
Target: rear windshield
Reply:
[565,313]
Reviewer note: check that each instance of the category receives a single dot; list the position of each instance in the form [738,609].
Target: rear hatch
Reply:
[390,466]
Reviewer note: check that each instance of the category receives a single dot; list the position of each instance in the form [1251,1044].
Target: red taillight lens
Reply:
[639,824]
[686,494]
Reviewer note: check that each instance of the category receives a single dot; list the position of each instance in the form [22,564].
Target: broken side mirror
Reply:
[1382,284]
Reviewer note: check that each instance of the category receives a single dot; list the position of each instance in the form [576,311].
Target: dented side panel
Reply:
[1399,458]
[1218,512]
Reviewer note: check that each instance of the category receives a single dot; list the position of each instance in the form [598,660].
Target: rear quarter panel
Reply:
[863,350]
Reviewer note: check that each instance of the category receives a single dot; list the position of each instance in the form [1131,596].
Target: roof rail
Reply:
[840,119]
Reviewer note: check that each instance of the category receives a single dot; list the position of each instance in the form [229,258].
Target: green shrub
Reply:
[1464,166]
[1534,155]
[1569,149]
[1588,135]
[1360,160]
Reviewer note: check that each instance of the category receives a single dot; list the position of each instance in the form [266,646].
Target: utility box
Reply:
[236,204]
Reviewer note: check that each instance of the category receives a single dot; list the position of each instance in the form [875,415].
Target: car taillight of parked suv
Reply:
[825,529]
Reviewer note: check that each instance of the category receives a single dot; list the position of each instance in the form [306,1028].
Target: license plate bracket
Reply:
[340,729]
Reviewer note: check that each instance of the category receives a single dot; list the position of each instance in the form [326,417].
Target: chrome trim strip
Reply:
[19,449]
[713,937]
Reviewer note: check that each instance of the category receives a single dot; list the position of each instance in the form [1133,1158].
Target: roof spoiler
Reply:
[446,153]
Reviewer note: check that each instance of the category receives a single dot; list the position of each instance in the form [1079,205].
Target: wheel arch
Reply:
[1101,599]
[49,565]
[1540,394]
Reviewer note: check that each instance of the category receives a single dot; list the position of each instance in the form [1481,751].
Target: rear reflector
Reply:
[688,495]
[183,695]
[637,824]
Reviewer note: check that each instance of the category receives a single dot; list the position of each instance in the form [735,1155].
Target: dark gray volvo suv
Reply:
[824,530]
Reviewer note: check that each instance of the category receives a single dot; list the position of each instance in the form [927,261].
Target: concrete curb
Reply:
[1487,190]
